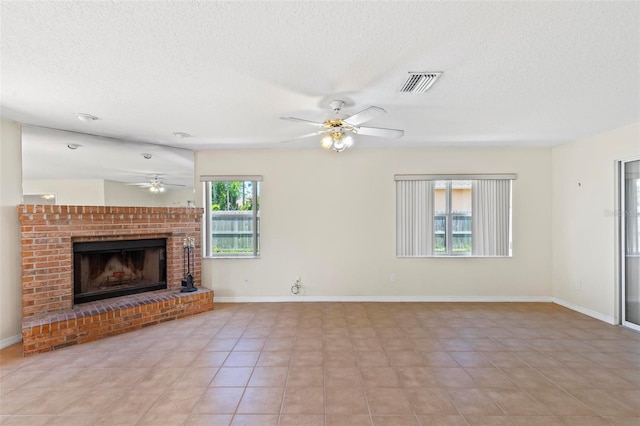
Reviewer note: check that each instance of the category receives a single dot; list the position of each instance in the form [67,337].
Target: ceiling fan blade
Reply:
[171,184]
[364,115]
[301,120]
[139,184]
[380,132]
[319,132]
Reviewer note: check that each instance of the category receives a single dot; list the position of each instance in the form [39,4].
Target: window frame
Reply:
[207,247]
[449,215]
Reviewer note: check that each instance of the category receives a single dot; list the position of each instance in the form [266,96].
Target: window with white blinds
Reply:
[453,215]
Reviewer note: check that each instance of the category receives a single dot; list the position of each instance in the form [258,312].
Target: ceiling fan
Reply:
[340,128]
[155,184]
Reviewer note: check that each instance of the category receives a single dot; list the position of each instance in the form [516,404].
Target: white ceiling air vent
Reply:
[419,82]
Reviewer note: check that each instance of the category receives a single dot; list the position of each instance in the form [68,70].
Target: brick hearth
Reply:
[48,234]
[96,320]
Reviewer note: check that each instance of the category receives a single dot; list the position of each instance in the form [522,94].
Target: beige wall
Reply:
[10,266]
[330,219]
[584,223]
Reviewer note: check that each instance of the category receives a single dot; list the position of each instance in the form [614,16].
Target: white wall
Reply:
[10,242]
[119,194]
[177,197]
[69,192]
[584,223]
[330,219]
[98,192]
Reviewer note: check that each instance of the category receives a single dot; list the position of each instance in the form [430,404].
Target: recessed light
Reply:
[85,117]
[181,135]
[73,146]
[146,155]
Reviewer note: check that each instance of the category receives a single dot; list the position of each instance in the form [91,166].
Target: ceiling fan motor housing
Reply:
[336,105]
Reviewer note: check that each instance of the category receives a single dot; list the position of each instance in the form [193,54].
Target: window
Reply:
[232,215]
[453,215]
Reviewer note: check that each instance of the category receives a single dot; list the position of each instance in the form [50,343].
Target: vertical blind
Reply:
[490,216]
[490,212]
[631,178]
[414,227]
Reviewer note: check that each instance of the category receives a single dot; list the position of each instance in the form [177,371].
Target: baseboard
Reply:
[8,341]
[586,311]
[254,299]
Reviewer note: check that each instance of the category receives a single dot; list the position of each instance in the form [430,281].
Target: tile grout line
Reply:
[286,380]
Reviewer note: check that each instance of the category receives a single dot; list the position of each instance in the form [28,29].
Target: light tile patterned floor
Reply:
[338,364]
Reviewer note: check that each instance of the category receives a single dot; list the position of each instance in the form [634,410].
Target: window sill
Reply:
[461,256]
[232,257]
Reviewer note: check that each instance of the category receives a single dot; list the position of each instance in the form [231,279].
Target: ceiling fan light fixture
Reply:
[337,140]
[339,147]
[327,142]
[339,144]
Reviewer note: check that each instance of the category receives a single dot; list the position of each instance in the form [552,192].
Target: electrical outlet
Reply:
[393,278]
[578,285]
[246,279]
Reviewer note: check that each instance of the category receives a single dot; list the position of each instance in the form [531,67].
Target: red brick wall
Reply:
[48,234]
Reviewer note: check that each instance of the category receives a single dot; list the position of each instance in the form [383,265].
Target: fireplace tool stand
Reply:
[187,283]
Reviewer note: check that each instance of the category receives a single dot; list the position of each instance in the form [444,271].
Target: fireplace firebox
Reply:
[105,269]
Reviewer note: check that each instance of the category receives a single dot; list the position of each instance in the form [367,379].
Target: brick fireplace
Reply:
[48,236]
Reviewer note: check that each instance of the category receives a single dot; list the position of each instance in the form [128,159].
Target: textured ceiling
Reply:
[515,73]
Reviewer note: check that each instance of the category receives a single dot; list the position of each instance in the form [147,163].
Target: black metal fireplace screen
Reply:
[107,269]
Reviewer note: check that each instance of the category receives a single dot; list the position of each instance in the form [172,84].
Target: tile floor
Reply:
[338,364]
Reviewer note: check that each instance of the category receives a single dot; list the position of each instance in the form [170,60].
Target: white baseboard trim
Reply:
[8,341]
[258,299]
[597,315]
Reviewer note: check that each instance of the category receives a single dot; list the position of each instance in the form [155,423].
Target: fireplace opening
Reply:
[105,269]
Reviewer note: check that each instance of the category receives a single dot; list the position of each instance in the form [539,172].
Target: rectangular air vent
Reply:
[419,82]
